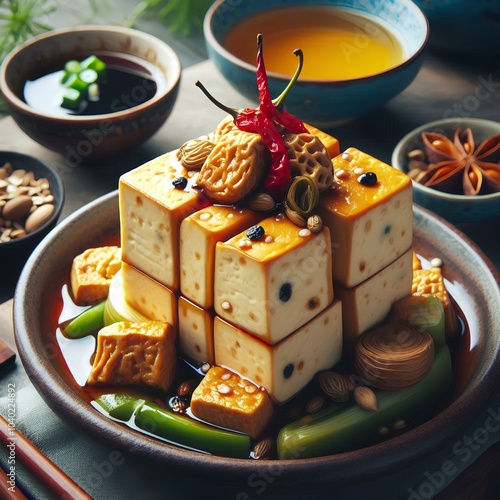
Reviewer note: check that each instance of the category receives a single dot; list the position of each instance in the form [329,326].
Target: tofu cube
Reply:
[152,299]
[199,234]
[370,225]
[151,211]
[135,355]
[287,367]
[430,281]
[368,303]
[196,332]
[273,285]
[92,272]
[225,399]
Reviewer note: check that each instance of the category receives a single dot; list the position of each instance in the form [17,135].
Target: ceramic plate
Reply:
[471,279]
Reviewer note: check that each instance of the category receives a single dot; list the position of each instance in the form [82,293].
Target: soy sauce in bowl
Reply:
[130,82]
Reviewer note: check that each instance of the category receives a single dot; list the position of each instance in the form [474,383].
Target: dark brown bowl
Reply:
[94,138]
[472,280]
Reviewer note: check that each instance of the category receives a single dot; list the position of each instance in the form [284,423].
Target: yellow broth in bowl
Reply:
[337,43]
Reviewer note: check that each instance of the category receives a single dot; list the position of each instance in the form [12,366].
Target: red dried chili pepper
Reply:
[273,109]
[279,176]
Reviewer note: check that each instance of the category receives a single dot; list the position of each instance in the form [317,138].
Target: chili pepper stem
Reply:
[278,102]
[233,112]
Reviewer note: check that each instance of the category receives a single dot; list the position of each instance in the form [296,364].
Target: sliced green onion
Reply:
[71,98]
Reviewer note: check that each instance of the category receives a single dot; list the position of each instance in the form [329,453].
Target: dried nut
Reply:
[309,157]
[334,386]
[185,388]
[178,404]
[235,167]
[39,217]
[315,404]
[314,223]
[17,207]
[399,424]
[192,154]
[295,217]
[365,398]
[416,154]
[263,448]
[261,202]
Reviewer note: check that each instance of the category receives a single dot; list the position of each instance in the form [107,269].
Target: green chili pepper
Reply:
[191,433]
[332,431]
[120,406]
[85,323]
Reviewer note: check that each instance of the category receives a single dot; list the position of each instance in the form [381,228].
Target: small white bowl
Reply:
[455,208]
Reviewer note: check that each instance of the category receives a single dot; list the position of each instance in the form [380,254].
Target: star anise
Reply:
[459,166]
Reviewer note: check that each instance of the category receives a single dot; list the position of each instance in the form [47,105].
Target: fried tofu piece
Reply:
[224,398]
[135,354]
[91,273]
[431,282]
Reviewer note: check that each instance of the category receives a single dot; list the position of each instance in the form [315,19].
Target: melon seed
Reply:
[16,208]
[39,217]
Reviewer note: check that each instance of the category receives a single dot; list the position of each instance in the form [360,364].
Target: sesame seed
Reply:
[304,233]
[250,389]
[341,174]
[224,389]
[226,376]
[245,243]
[226,306]
[359,170]
[205,216]
[269,239]
[346,156]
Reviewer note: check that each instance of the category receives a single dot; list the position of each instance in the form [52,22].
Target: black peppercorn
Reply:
[180,182]
[255,233]
[368,179]
[288,370]
[285,292]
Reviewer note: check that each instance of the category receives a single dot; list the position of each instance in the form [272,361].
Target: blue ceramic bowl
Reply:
[455,208]
[323,103]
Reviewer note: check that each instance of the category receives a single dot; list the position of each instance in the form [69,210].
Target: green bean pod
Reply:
[335,430]
[85,323]
[191,433]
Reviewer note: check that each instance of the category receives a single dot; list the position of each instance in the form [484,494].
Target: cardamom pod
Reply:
[334,386]
[365,398]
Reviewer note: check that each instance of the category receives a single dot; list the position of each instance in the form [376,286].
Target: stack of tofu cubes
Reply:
[278,308]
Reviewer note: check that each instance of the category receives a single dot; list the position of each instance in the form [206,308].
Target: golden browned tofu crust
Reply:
[226,399]
[91,273]
[135,354]
[430,282]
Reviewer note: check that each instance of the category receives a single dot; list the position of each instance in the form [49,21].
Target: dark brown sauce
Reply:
[130,82]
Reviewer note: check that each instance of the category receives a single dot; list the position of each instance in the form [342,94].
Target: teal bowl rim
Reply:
[212,41]
[414,135]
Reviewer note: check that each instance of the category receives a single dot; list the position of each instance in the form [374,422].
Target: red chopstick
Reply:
[39,465]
